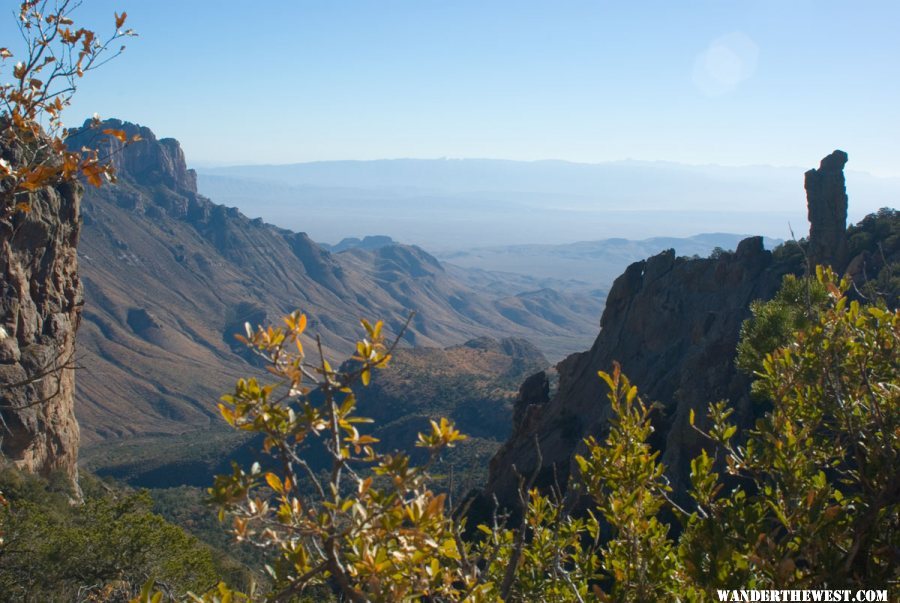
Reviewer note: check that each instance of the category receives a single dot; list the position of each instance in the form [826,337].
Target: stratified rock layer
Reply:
[40,309]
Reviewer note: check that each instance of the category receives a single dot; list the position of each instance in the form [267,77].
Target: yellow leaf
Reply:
[365,485]
[435,505]
[367,325]
[226,414]
[448,548]
[274,482]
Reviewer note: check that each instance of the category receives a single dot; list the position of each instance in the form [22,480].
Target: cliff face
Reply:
[673,324]
[40,310]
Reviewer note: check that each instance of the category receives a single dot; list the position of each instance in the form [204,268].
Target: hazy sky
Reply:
[728,82]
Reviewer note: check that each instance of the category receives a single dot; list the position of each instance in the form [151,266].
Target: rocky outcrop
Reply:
[534,394]
[826,200]
[147,161]
[673,324]
[874,246]
[40,310]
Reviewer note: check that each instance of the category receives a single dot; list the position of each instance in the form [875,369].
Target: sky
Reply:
[700,81]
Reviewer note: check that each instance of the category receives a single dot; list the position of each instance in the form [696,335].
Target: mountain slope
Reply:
[473,383]
[170,277]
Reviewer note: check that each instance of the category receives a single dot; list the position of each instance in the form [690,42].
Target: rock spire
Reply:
[826,201]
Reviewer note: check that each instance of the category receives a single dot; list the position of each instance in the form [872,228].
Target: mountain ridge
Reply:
[170,276]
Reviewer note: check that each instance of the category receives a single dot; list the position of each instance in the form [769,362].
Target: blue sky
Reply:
[725,82]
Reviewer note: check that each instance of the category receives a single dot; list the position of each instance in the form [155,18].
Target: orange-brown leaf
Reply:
[117,134]
[92,173]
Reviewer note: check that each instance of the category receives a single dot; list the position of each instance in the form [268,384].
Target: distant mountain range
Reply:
[592,264]
[170,277]
[453,204]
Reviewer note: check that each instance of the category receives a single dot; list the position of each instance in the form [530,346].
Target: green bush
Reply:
[54,549]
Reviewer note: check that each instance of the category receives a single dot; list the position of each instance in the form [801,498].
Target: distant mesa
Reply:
[148,161]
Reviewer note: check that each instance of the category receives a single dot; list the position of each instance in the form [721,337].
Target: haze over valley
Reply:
[447,205]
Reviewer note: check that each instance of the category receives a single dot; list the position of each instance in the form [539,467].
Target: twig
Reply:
[510,573]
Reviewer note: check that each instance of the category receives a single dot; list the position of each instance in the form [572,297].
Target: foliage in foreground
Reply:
[53,55]
[822,495]
[807,498]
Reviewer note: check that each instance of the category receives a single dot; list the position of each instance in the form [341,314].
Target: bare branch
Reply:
[524,488]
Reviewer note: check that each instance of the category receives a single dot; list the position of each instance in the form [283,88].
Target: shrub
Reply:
[54,550]
[811,498]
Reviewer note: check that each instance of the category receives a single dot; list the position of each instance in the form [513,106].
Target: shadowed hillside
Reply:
[474,383]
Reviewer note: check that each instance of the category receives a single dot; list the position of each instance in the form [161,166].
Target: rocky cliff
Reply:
[673,324]
[40,310]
